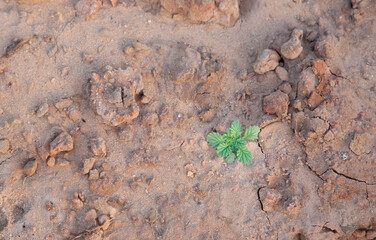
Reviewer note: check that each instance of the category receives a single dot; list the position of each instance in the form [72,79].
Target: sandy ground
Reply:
[104,116]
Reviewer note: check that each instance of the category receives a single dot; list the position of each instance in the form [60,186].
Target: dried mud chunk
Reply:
[62,143]
[30,167]
[106,185]
[276,103]
[269,198]
[293,47]
[113,97]
[4,145]
[315,100]
[282,73]
[327,47]
[362,143]
[88,8]
[307,83]
[267,61]
[98,147]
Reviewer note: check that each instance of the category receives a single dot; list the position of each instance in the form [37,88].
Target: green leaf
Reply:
[231,158]
[244,156]
[214,139]
[224,150]
[251,133]
[240,143]
[236,129]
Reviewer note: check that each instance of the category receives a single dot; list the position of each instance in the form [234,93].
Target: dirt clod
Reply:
[267,61]
[276,103]
[362,143]
[62,143]
[293,48]
[98,147]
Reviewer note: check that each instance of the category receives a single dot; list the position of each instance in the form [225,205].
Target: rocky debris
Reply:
[323,73]
[4,145]
[306,128]
[62,143]
[30,167]
[113,97]
[363,10]
[88,165]
[282,73]
[62,162]
[51,161]
[43,153]
[74,112]
[87,9]
[307,83]
[276,103]
[314,100]
[269,198]
[91,218]
[223,12]
[267,61]
[42,110]
[98,147]
[327,47]
[285,87]
[106,184]
[362,143]
[293,48]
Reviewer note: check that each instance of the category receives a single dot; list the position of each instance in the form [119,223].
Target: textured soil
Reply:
[105,107]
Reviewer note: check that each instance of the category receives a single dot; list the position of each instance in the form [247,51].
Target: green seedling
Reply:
[231,145]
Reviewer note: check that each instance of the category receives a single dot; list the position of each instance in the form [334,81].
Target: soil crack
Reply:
[351,178]
[262,205]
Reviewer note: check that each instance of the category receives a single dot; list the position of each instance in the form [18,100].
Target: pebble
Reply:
[4,145]
[98,147]
[88,165]
[307,83]
[51,161]
[91,217]
[282,73]
[285,87]
[62,143]
[76,203]
[267,61]
[276,103]
[293,47]
[30,167]
[314,100]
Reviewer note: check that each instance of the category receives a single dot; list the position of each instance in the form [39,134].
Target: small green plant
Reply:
[232,142]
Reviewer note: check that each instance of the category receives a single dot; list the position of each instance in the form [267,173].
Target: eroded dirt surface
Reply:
[105,107]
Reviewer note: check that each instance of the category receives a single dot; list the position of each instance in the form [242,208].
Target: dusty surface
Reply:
[105,107]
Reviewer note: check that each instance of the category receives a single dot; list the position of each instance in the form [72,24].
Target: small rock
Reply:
[312,35]
[4,145]
[298,105]
[293,48]
[42,153]
[267,61]
[30,167]
[42,110]
[362,143]
[88,165]
[282,73]
[91,217]
[327,47]
[51,161]
[93,174]
[145,99]
[285,87]
[269,198]
[307,83]
[190,174]
[314,100]
[62,143]
[276,103]
[98,147]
